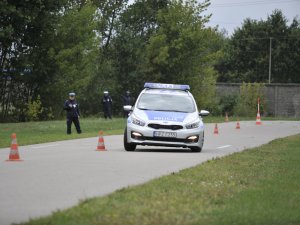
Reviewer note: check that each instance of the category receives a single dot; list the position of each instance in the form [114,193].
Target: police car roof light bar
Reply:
[183,87]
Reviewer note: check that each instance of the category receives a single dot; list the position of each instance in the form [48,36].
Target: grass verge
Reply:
[47,131]
[257,186]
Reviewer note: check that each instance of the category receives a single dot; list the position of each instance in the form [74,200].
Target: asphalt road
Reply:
[58,175]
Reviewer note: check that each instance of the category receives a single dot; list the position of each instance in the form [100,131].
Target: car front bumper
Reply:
[145,136]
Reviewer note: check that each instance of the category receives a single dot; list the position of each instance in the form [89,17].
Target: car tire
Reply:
[196,149]
[128,146]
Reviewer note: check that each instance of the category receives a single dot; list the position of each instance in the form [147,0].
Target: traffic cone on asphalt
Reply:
[226,117]
[216,131]
[238,125]
[101,145]
[14,152]
[258,121]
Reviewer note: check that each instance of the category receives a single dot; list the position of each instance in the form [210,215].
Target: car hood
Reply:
[166,116]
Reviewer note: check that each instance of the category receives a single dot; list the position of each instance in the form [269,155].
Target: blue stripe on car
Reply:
[166,116]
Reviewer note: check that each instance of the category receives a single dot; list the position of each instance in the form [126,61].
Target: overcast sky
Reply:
[229,14]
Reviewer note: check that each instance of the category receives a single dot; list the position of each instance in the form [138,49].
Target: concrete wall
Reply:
[281,99]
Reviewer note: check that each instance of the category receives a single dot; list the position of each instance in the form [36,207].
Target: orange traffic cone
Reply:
[14,152]
[258,121]
[226,117]
[238,125]
[100,146]
[216,131]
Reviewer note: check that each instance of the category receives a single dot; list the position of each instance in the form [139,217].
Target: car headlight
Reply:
[193,125]
[137,121]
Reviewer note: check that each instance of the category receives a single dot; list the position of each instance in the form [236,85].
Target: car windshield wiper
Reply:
[163,110]
[167,110]
[144,109]
[179,111]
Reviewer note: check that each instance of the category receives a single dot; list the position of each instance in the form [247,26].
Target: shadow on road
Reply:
[165,150]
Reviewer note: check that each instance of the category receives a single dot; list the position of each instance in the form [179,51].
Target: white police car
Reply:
[165,115]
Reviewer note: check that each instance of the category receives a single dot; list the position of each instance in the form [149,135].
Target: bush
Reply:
[34,109]
[204,89]
[36,112]
[247,100]
[227,104]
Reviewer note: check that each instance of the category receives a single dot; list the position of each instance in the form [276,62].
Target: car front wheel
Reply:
[196,149]
[128,146]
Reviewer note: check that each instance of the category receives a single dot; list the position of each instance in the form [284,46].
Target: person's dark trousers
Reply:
[75,120]
[107,113]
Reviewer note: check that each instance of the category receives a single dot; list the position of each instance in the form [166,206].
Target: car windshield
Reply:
[164,102]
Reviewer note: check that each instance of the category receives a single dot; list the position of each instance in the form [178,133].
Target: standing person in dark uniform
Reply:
[127,100]
[107,105]
[72,108]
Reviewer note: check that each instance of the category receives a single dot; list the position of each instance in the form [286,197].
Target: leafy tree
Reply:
[26,31]
[140,18]
[183,50]
[75,54]
[135,26]
[49,48]
[109,12]
[247,51]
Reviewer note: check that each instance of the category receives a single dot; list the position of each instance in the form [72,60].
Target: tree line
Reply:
[247,52]
[49,48]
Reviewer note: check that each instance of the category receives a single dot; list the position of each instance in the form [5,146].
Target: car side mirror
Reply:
[127,108]
[203,113]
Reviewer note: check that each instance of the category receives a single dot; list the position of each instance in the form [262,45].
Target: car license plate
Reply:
[165,134]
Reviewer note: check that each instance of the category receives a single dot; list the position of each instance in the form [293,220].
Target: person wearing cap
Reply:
[73,114]
[127,100]
[107,105]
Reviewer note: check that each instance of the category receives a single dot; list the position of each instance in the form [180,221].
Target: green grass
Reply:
[257,186]
[47,131]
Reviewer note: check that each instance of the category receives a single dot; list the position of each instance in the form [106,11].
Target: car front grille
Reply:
[164,139]
[167,127]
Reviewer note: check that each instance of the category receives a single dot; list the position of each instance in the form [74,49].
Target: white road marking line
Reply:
[44,146]
[224,146]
